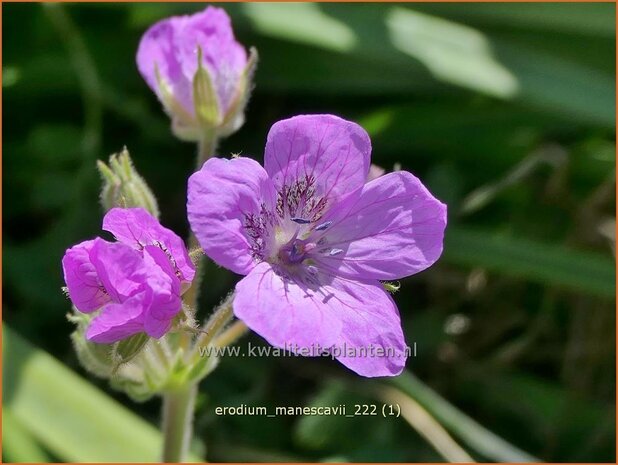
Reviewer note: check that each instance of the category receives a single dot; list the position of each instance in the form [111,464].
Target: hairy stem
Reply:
[217,321]
[230,335]
[179,404]
[205,149]
[178,407]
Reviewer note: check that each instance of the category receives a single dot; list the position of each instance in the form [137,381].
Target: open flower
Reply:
[314,239]
[136,282]
[201,74]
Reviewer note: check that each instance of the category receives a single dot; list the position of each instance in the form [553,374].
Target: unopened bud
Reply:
[207,99]
[95,358]
[123,186]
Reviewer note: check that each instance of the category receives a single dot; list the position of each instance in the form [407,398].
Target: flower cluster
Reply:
[314,231]
[135,282]
[314,238]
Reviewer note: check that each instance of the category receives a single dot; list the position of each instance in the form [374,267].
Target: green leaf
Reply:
[69,416]
[301,22]
[385,48]
[560,85]
[469,431]
[452,52]
[571,18]
[558,265]
[18,445]
[577,424]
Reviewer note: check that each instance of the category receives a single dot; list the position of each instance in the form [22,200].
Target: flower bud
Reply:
[130,365]
[139,366]
[200,73]
[95,358]
[123,186]
[103,360]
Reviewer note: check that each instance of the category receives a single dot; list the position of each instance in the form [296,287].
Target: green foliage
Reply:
[506,111]
[54,407]
[550,264]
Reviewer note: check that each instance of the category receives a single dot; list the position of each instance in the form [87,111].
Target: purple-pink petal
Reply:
[119,267]
[157,51]
[285,313]
[138,229]
[118,321]
[160,308]
[157,260]
[222,197]
[85,288]
[337,315]
[393,230]
[371,341]
[163,286]
[223,56]
[155,327]
[323,149]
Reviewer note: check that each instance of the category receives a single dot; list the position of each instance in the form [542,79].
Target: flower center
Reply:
[295,251]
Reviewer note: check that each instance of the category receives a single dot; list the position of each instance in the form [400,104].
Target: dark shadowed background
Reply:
[506,111]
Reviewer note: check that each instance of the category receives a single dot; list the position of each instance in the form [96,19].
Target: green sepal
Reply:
[126,350]
[235,116]
[123,187]
[138,391]
[205,97]
[202,368]
[95,358]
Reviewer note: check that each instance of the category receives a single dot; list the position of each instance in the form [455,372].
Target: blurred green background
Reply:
[506,111]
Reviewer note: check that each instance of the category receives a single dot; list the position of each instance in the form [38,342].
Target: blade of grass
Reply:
[425,424]
[558,265]
[18,445]
[469,431]
[65,413]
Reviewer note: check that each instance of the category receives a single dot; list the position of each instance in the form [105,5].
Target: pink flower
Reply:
[136,282]
[314,239]
[171,55]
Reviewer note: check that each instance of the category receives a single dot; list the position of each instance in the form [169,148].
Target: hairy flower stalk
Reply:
[203,78]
